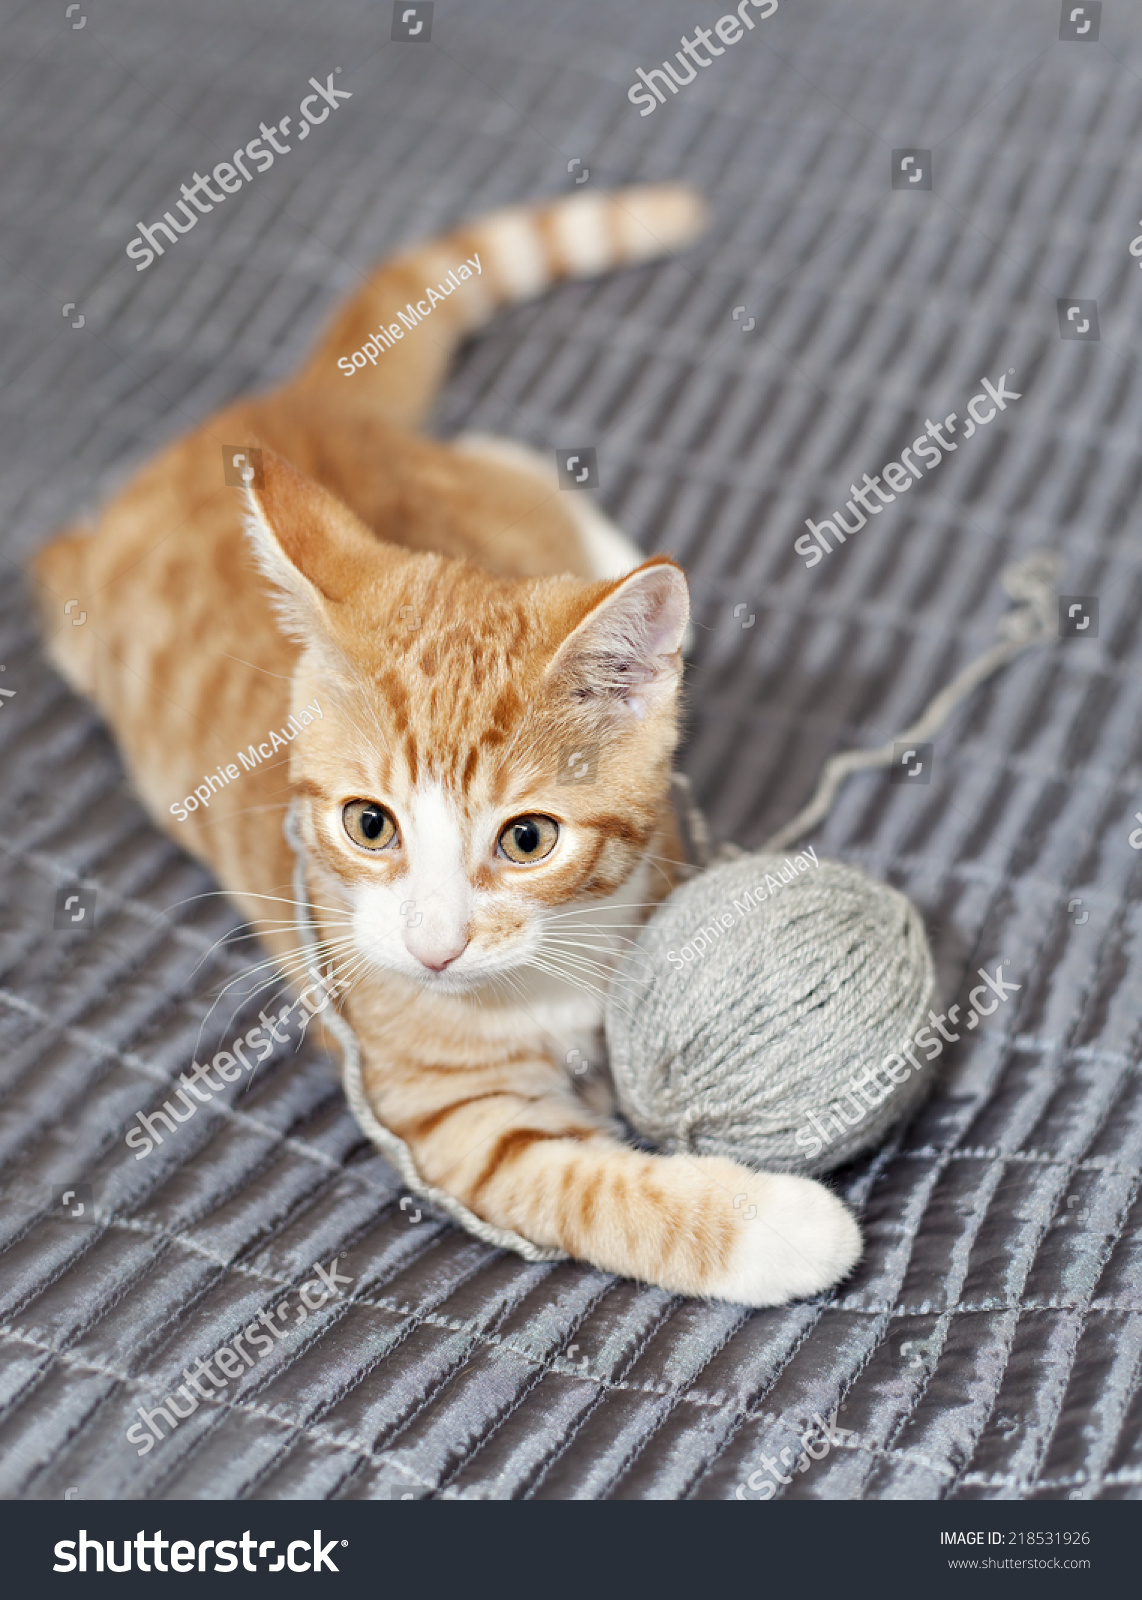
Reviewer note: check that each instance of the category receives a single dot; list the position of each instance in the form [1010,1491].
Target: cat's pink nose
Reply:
[440,964]
[436,954]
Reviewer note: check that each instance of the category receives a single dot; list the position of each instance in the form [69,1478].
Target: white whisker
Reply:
[573,980]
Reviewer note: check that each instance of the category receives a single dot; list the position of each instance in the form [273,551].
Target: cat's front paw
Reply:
[801,1240]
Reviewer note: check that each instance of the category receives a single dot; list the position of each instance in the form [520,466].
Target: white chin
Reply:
[446,982]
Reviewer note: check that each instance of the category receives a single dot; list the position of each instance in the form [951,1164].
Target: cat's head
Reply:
[491,756]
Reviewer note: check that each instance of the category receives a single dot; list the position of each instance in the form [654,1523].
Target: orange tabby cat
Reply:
[455,627]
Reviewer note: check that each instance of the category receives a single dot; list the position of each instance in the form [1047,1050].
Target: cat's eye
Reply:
[529,839]
[368,824]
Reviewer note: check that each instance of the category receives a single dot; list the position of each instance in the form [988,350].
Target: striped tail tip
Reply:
[656,219]
[582,235]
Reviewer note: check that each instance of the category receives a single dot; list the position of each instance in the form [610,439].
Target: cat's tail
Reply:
[59,573]
[393,339]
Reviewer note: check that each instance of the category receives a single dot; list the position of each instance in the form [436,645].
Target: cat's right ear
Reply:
[309,545]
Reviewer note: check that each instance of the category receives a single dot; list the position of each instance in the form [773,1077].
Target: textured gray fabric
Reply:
[988,1345]
[746,1017]
[1032,623]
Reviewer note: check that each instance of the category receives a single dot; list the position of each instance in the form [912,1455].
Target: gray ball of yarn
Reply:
[764,1010]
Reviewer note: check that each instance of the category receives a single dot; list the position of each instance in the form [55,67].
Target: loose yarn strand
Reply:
[1030,583]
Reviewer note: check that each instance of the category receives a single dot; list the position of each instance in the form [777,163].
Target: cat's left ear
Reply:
[627,647]
[311,547]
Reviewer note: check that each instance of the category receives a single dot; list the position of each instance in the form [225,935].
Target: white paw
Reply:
[802,1240]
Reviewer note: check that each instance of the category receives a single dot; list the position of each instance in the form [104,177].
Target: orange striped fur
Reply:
[464,629]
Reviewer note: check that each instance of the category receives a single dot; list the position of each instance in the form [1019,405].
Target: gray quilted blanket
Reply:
[909,200]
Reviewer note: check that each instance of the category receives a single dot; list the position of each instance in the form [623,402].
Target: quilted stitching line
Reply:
[543,1365]
[388,1437]
[541,1472]
[1046,1431]
[130,1060]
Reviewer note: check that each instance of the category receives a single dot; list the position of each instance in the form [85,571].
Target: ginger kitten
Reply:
[462,627]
